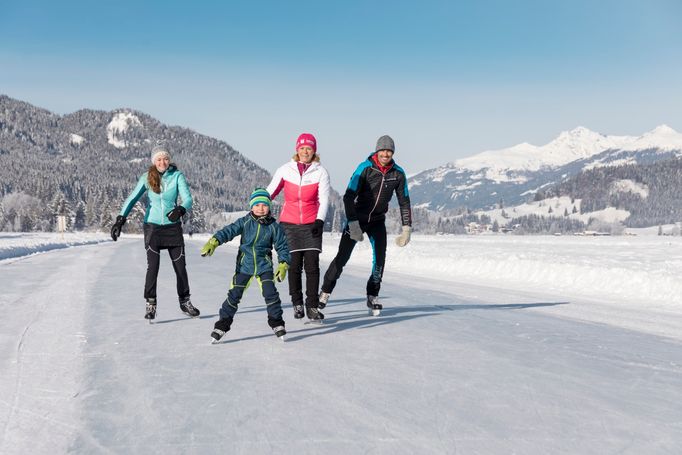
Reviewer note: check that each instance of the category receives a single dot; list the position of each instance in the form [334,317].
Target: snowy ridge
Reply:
[119,124]
[569,146]
[580,143]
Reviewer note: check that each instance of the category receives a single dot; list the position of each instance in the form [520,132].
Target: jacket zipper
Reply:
[300,203]
[381,187]
[253,251]
[163,210]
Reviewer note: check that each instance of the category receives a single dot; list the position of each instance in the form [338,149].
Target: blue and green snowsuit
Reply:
[258,237]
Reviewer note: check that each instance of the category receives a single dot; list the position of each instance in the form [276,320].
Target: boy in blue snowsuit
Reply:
[259,233]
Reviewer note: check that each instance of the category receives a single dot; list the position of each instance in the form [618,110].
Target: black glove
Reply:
[318,228]
[116,228]
[175,214]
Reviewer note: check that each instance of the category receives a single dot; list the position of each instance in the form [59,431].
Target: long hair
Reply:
[154,177]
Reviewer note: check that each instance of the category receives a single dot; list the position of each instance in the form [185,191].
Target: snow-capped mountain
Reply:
[515,173]
[85,163]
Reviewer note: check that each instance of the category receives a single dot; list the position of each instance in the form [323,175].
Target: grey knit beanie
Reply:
[159,148]
[385,143]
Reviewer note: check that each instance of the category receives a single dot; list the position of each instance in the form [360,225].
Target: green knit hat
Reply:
[258,196]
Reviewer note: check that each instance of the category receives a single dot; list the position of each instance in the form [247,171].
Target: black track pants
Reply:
[376,233]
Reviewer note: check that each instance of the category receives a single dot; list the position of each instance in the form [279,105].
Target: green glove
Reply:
[281,272]
[209,248]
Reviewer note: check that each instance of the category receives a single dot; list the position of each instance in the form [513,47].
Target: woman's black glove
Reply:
[116,228]
[318,228]
[175,214]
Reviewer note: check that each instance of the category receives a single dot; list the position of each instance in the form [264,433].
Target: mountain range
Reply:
[84,165]
[514,175]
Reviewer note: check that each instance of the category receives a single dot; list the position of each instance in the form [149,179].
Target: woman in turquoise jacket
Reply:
[163,183]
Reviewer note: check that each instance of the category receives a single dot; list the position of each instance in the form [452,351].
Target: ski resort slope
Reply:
[451,366]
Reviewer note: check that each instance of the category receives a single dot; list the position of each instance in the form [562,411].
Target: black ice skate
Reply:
[324,298]
[220,328]
[298,312]
[280,332]
[373,305]
[314,315]
[189,309]
[150,310]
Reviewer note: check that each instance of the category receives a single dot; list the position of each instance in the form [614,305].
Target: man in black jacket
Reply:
[366,202]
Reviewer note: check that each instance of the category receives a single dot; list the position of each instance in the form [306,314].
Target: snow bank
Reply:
[13,245]
[632,271]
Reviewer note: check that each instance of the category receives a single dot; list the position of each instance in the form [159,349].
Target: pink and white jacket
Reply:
[306,197]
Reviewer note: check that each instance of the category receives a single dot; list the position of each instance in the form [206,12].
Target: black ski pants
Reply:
[273,304]
[310,261]
[376,232]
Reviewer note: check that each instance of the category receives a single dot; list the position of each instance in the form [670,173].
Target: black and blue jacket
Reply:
[258,237]
[370,190]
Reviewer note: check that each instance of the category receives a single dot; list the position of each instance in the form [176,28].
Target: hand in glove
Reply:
[355,231]
[404,237]
[281,272]
[209,247]
[318,228]
[177,213]
[116,228]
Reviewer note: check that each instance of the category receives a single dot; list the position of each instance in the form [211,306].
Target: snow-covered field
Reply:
[14,244]
[487,345]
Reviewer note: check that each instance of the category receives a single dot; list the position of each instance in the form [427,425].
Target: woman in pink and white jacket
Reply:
[306,199]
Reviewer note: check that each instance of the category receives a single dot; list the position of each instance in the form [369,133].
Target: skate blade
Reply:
[374,312]
[314,322]
[281,338]
[214,341]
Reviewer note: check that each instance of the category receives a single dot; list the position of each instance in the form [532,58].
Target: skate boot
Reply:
[150,310]
[220,328]
[324,298]
[373,305]
[298,312]
[280,331]
[314,314]
[189,309]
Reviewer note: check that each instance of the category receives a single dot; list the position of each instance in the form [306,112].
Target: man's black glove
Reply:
[318,228]
[175,214]
[116,228]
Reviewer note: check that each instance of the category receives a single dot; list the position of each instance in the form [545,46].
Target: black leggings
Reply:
[310,261]
[377,237]
[169,237]
[177,255]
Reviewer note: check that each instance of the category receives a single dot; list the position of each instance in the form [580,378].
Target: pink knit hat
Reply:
[307,139]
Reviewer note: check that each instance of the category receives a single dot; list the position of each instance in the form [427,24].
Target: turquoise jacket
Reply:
[173,184]
[255,248]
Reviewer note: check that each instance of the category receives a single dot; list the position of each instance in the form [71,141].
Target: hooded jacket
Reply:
[173,184]
[258,236]
[370,190]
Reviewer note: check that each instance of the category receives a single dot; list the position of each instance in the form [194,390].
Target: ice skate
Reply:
[189,309]
[324,298]
[280,332]
[150,310]
[373,305]
[314,315]
[298,312]
[220,328]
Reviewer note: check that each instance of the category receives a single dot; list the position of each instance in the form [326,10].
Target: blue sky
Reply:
[445,79]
